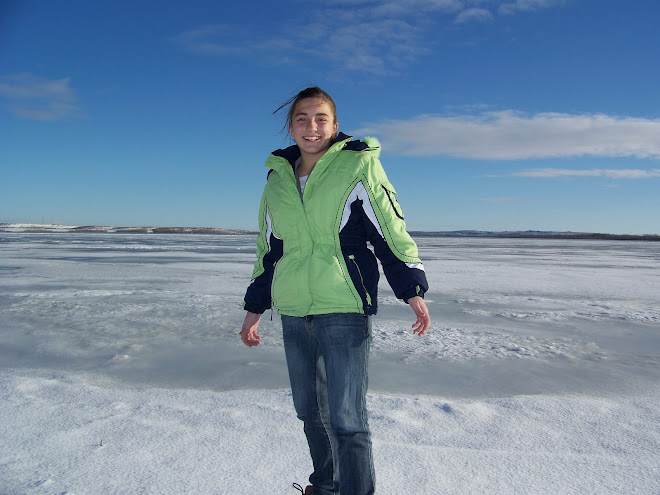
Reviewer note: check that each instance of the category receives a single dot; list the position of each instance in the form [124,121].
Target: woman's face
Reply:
[313,127]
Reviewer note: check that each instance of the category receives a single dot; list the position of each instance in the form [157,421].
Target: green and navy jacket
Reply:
[312,253]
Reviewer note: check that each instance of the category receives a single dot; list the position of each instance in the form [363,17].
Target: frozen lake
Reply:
[121,367]
[522,316]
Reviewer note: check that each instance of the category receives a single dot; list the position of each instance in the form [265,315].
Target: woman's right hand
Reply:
[249,334]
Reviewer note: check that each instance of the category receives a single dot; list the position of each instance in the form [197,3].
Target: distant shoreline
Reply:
[529,234]
[99,229]
[541,235]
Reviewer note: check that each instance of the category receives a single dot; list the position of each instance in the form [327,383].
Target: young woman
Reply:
[325,197]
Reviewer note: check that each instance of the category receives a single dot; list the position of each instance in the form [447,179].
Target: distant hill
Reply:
[527,234]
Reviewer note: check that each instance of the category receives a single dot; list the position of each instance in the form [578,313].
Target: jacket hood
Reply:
[373,144]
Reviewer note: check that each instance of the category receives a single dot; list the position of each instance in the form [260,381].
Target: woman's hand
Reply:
[421,311]
[249,334]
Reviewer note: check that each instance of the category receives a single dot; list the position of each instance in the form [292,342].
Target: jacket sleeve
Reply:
[269,251]
[386,232]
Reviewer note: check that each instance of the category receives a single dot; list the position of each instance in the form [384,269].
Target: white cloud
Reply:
[510,8]
[474,15]
[38,98]
[398,8]
[378,45]
[373,36]
[509,135]
[553,173]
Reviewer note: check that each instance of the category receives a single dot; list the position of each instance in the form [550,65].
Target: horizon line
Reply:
[529,233]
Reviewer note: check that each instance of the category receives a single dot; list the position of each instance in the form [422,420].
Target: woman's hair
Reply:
[312,92]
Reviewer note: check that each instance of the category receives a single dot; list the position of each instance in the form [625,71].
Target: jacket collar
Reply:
[292,153]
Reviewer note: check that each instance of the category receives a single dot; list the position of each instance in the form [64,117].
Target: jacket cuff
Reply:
[254,308]
[412,292]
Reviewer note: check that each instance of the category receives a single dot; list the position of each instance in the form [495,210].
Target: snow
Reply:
[121,370]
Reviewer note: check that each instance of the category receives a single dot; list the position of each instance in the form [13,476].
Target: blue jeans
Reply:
[327,356]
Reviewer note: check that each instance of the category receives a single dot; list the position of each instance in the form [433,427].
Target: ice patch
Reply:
[465,344]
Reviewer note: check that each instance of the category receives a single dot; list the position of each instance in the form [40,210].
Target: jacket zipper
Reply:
[352,258]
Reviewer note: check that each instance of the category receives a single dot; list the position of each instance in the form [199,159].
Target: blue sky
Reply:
[493,115]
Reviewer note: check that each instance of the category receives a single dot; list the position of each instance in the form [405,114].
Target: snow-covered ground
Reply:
[121,370]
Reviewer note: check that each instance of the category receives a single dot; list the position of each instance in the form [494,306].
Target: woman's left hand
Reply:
[423,318]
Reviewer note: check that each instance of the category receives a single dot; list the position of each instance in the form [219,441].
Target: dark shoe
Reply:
[309,490]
